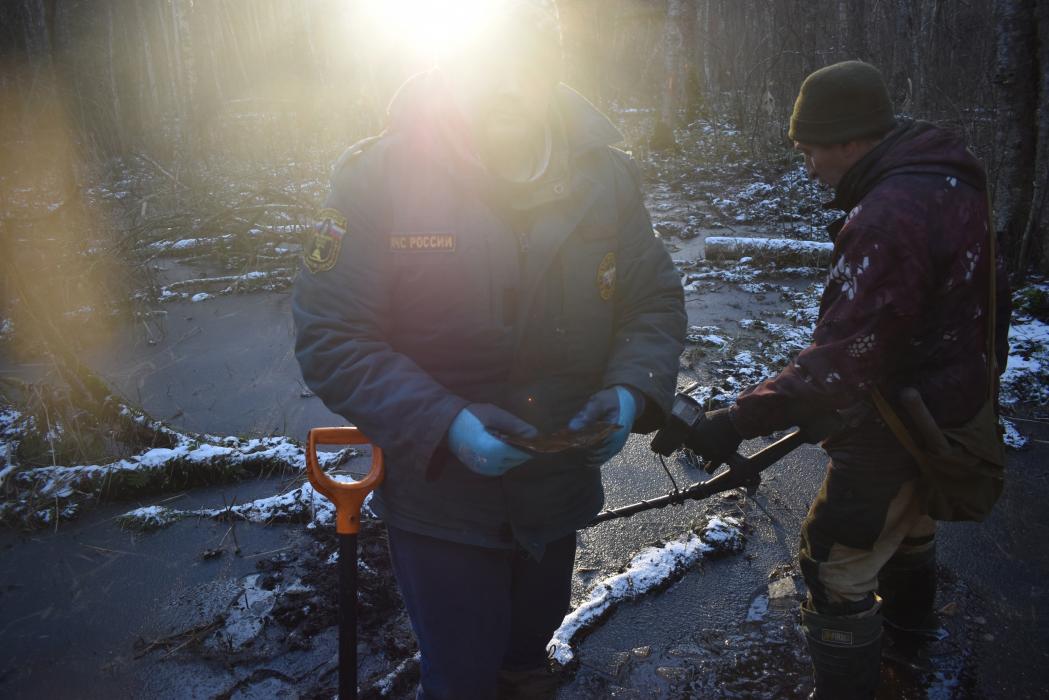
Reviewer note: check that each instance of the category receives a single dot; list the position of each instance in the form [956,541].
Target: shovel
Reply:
[348,499]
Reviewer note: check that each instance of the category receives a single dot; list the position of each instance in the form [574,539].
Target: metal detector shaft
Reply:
[742,472]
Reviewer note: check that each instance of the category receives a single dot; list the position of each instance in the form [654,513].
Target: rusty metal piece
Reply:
[562,440]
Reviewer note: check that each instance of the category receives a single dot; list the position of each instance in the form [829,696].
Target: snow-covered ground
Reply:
[256,280]
[1026,377]
[301,504]
[43,493]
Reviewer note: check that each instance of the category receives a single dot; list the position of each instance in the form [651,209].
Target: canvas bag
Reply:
[964,482]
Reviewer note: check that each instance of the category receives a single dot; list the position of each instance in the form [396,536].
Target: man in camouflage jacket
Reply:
[905,305]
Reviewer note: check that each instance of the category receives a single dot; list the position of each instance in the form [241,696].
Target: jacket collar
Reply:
[912,148]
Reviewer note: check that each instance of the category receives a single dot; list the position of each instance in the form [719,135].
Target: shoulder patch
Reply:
[321,249]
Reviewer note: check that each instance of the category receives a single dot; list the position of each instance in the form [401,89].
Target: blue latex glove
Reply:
[479,450]
[617,405]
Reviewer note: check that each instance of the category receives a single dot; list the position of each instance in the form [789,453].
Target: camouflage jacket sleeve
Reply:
[650,309]
[876,288]
[341,308]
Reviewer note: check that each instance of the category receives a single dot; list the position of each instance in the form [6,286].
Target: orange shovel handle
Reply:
[347,497]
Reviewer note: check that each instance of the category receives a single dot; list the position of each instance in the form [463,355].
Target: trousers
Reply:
[867,512]
[477,611]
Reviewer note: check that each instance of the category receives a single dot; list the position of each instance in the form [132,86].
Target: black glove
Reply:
[714,437]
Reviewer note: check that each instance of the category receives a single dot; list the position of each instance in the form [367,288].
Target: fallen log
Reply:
[781,251]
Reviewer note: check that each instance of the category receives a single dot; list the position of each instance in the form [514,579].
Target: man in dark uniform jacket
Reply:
[486,269]
[906,305]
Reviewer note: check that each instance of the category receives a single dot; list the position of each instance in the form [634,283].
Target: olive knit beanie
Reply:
[840,103]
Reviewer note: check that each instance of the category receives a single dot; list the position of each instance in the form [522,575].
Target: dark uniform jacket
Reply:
[906,299]
[448,288]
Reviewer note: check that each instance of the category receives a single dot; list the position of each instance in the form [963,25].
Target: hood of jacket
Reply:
[423,109]
[912,148]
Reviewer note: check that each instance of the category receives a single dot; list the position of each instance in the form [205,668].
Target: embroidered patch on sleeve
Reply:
[321,249]
[606,277]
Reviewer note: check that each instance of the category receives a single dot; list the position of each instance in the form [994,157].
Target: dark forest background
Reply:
[127,122]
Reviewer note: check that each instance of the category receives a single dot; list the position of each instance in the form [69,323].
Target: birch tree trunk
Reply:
[710,80]
[150,88]
[1016,138]
[186,77]
[114,90]
[673,50]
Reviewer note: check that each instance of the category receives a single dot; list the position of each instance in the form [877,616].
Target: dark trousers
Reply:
[867,512]
[476,611]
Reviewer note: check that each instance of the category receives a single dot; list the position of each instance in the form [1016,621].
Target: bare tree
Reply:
[1036,232]
[1017,104]
[852,17]
[673,55]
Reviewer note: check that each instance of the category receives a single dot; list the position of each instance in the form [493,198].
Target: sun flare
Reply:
[424,28]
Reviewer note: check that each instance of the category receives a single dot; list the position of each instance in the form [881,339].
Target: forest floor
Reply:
[160,558]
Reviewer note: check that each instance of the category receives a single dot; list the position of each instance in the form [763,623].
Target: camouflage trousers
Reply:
[866,513]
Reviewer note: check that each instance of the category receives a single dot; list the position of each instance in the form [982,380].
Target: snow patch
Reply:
[759,608]
[1013,437]
[650,569]
[190,455]
[385,684]
[710,336]
[301,504]
[247,615]
[149,518]
[1026,376]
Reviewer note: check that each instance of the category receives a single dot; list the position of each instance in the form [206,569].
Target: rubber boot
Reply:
[846,655]
[534,684]
[907,586]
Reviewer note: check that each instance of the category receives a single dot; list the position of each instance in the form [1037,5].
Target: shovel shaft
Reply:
[348,498]
[347,617]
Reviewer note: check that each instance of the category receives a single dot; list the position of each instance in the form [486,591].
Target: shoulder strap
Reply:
[898,428]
